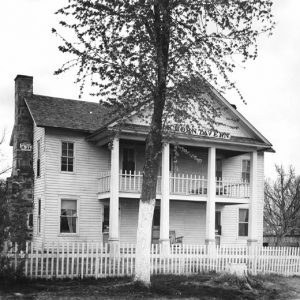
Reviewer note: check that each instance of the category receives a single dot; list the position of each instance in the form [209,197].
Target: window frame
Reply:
[38,158]
[68,197]
[61,156]
[242,172]
[238,224]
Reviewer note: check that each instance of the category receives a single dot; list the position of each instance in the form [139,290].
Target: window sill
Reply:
[66,172]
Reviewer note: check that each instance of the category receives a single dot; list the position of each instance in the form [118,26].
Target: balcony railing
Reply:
[180,184]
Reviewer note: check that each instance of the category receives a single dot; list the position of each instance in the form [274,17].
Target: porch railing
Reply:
[185,184]
[232,188]
[180,184]
[130,182]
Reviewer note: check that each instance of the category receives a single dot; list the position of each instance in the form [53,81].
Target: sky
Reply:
[270,84]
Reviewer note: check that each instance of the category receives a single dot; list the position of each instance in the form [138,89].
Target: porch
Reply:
[208,182]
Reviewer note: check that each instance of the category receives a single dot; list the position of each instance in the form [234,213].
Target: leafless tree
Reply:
[282,204]
[4,168]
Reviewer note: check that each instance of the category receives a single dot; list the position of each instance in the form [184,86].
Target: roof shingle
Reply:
[65,113]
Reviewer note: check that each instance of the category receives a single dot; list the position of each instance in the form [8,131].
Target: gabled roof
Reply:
[65,113]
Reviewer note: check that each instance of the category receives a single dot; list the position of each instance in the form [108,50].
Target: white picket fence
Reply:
[80,260]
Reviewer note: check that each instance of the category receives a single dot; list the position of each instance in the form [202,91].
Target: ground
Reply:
[205,286]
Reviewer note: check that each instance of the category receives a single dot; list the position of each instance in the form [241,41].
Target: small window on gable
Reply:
[67,157]
[128,161]
[246,170]
[38,160]
[243,222]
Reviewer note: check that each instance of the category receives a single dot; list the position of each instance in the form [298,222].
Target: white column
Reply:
[114,193]
[252,228]
[165,198]
[211,197]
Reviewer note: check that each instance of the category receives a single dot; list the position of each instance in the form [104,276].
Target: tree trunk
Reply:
[142,263]
[153,143]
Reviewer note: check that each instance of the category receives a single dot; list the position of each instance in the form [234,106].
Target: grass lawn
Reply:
[204,286]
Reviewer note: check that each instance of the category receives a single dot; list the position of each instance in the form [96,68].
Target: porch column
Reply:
[211,197]
[114,194]
[252,227]
[165,199]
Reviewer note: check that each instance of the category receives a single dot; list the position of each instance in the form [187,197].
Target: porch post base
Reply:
[252,242]
[114,247]
[165,246]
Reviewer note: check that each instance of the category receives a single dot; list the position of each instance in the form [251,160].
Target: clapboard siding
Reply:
[260,196]
[81,185]
[39,182]
[232,168]
[227,121]
[129,209]
[188,220]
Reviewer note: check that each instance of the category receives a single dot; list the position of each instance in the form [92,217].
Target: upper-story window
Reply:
[38,160]
[67,156]
[243,221]
[128,160]
[246,170]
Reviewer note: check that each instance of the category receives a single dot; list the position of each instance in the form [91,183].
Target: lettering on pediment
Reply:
[186,129]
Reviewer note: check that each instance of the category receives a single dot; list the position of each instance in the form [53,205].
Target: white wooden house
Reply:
[87,191]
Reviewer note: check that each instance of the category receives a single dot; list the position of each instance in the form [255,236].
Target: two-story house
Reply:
[87,181]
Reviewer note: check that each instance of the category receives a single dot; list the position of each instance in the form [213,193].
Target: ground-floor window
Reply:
[243,221]
[68,216]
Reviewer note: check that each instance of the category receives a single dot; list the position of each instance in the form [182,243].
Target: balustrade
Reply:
[180,184]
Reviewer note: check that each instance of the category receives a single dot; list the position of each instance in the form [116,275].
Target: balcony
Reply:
[182,186]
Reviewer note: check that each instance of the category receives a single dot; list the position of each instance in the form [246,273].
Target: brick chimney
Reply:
[22,138]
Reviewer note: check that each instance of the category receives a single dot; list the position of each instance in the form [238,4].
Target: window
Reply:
[219,168]
[243,222]
[156,216]
[68,216]
[30,220]
[38,221]
[38,161]
[218,227]
[128,161]
[246,170]
[67,157]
